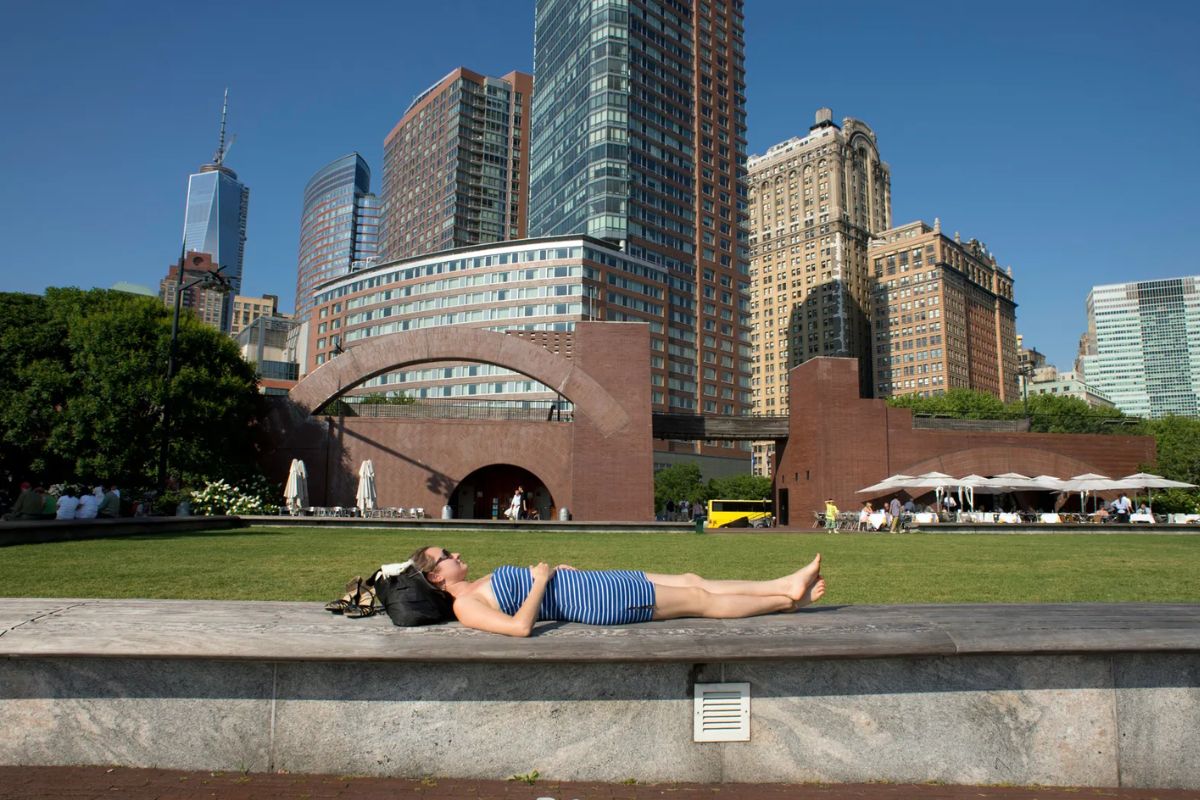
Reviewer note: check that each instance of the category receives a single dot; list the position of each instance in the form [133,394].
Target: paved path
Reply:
[84,783]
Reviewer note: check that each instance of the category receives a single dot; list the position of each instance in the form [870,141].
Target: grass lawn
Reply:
[313,564]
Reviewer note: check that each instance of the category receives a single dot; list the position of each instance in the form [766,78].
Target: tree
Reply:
[83,394]
[957,403]
[379,399]
[1177,440]
[677,482]
[1050,413]
[739,487]
[1178,444]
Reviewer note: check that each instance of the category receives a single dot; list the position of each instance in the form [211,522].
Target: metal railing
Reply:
[533,411]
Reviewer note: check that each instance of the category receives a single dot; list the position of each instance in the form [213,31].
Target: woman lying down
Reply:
[511,599]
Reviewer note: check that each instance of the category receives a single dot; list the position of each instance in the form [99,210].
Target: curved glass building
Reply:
[339,225]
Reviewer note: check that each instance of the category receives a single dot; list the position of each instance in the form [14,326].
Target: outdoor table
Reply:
[1009,519]
[1185,519]
[876,520]
[1051,519]
[1142,518]
[925,518]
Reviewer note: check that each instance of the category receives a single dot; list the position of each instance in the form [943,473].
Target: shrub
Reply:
[220,497]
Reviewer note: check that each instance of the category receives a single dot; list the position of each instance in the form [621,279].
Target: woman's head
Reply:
[437,564]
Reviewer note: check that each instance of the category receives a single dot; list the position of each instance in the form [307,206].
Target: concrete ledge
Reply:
[53,530]
[1100,695]
[498,525]
[1037,529]
[289,631]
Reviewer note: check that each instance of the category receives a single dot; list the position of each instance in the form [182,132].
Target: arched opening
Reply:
[487,492]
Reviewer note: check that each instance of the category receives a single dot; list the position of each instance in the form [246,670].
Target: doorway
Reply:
[487,492]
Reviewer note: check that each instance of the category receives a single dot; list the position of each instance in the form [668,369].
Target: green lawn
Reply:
[313,564]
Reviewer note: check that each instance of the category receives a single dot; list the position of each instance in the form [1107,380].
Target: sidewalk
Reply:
[84,783]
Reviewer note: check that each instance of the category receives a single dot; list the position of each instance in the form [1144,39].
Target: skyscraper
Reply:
[1146,337]
[456,166]
[215,219]
[944,315]
[815,202]
[639,138]
[339,225]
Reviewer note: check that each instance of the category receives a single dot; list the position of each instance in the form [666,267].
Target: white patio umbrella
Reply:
[887,484]
[938,481]
[295,493]
[1090,483]
[365,498]
[1148,481]
[1013,481]
[1048,483]
[970,484]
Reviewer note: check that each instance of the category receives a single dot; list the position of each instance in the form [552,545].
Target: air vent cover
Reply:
[722,712]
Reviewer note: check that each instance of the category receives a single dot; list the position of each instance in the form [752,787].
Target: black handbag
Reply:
[409,598]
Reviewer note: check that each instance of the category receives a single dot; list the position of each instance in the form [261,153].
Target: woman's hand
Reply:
[565,566]
[542,572]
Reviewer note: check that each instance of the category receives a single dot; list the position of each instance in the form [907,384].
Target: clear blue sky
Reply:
[1062,134]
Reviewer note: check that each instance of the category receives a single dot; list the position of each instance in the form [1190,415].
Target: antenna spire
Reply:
[219,157]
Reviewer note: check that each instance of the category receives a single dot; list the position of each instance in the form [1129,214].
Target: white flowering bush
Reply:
[220,497]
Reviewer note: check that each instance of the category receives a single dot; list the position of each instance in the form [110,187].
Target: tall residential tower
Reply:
[639,138]
[339,226]
[215,219]
[456,166]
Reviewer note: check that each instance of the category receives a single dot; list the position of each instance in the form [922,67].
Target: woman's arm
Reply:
[475,613]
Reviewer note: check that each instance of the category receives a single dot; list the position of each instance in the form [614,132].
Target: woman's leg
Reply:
[792,586]
[673,602]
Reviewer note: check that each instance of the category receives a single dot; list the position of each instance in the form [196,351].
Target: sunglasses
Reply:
[446,556]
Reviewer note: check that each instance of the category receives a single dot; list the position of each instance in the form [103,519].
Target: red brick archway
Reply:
[396,351]
[598,463]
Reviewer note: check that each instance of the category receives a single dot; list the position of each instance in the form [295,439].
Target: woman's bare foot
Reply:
[799,582]
[814,593]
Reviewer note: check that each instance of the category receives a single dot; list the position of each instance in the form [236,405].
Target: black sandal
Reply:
[349,600]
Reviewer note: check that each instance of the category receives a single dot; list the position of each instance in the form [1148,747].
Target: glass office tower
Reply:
[214,221]
[639,139]
[1147,345]
[339,225]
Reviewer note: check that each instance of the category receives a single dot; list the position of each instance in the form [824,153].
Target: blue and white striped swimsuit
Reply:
[601,597]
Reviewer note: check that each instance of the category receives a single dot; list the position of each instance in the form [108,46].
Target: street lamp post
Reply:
[1025,371]
[207,279]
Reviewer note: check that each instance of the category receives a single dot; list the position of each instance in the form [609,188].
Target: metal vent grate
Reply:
[722,712]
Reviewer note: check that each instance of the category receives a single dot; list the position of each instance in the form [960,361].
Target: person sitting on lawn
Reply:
[511,599]
[28,504]
[68,503]
[110,505]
